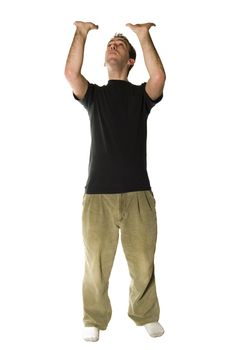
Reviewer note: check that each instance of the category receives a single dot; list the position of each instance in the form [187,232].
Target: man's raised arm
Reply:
[75,59]
[155,84]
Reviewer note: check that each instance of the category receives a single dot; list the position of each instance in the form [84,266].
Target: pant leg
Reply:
[138,235]
[100,236]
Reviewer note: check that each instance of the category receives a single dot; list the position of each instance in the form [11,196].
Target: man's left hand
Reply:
[140,28]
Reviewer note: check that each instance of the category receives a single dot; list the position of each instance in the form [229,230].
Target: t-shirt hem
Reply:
[113,191]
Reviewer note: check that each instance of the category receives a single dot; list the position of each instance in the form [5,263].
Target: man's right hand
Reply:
[85,27]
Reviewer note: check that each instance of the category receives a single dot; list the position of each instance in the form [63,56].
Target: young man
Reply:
[118,195]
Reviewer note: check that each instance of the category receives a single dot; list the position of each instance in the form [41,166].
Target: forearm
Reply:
[76,54]
[151,57]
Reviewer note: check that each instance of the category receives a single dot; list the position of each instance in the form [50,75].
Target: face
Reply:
[117,51]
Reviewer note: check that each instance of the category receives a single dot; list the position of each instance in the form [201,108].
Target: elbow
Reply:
[69,74]
[159,79]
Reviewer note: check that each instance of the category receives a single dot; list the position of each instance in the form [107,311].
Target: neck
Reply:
[117,75]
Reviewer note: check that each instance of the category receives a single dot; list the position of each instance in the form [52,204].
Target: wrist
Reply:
[143,35]
[81,34]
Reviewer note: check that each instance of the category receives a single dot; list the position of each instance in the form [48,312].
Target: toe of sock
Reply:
[91,334]
[154,329]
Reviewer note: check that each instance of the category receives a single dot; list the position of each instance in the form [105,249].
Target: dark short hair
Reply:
[132,51]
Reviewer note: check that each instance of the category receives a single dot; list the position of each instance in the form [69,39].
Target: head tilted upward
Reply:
[120,56]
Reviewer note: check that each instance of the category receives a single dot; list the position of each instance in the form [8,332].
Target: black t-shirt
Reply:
[118,115]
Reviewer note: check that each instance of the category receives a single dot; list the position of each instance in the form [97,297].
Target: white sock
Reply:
[154,329]
[91,333]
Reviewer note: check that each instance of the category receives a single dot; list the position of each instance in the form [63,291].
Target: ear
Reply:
[131,62]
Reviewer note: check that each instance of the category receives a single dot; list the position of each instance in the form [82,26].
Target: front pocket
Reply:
[84,196]
[150,200]
[152,197]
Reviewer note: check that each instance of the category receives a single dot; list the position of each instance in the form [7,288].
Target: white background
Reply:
[44,145]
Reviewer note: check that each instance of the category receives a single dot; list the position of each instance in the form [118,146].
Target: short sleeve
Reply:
[149,103]
[88,98]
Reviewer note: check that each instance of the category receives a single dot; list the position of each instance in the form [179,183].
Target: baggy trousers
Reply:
[134,214]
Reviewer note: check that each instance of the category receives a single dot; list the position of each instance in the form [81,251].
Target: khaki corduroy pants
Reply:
[134,214]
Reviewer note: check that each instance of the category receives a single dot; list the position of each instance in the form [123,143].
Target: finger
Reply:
[95,26]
